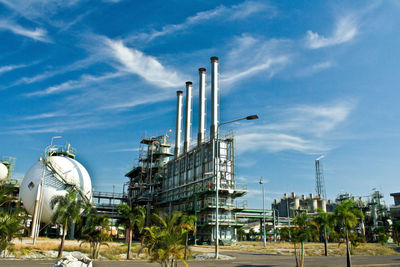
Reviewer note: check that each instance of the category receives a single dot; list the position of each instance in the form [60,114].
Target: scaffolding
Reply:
[319,180]
[188,184]
[9,162]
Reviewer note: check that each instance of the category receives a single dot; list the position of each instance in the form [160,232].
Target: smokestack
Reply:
[202,106]
[214,97]
[178,124]
[188,123]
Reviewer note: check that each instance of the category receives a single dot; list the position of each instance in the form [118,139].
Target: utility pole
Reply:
[264,237]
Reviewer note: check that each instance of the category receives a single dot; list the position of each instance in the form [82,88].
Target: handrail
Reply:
[55,169]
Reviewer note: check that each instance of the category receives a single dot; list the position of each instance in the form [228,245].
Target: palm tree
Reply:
[164,241]
[304,230]
[5,195]
[96,232]
[241,234]
[131,218]
[346,217]
[396,232]
[324,222]
[11,226]
[188,224]
[67,211]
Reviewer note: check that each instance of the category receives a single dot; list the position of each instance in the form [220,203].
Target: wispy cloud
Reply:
[301,129]
[38,34]
[77,65]
[307,71]
[235,12]
[33,9]
[346,29]
[8,68]
[58,126]
[84,81]
[149,68]
[249,56]
[50,115]
[126,149]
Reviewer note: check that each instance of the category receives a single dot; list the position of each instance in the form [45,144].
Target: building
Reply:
[395,210]
[290,206]
[192,180]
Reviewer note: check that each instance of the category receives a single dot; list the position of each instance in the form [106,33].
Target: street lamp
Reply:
[215,154]
[265,238]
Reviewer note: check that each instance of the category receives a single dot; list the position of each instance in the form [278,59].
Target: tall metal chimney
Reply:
[178,124]
[202,106]
[188,122]
[214,97]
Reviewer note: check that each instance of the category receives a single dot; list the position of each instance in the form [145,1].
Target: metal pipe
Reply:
[202,106]
[178,123]
[188,118]
[214,97]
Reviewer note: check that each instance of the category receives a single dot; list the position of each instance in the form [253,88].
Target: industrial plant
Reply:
[199,180]
[196,177]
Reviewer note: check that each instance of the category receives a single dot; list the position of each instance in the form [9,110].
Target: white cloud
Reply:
[33,9]
[38,34]
[42,116]
[84,81]
[77,65]
[233,77]
[249,56]
[275,142]
[58,126]
[346,29]
[307,71]
[300,128]
[126,149]
[8,68]
[149,68]
[235,12]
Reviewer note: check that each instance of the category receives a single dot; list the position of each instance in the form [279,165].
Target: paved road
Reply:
[243,259]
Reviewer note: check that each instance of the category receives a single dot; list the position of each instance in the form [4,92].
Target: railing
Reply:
[241,187]
[241,204]
[107,195]
[221,218]
[54,149]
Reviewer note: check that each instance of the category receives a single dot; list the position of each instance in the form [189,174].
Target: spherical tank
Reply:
[71,171]
[3,171]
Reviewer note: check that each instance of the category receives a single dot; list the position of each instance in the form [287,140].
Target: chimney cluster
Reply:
[202,109]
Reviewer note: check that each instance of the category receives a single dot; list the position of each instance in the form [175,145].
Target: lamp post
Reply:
[265,238]
[216,155]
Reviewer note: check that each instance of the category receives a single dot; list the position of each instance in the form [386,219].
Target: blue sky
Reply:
[322,76]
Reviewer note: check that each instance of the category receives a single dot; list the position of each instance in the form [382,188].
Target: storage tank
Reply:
[59,173]
[3,172]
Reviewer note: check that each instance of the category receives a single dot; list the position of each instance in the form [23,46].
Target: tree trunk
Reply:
[295,255]
[325,241]
[186,245]
[61,248]
[348,248]
[302,255]
[128,255]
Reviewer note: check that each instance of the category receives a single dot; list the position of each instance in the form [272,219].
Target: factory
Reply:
[197,179]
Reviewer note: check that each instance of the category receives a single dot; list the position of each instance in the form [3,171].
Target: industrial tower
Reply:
[319,179]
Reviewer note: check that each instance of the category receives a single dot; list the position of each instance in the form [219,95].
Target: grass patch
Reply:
[311,249]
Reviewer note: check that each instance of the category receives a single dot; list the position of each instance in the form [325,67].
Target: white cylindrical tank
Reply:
[72,171]
[3,172]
